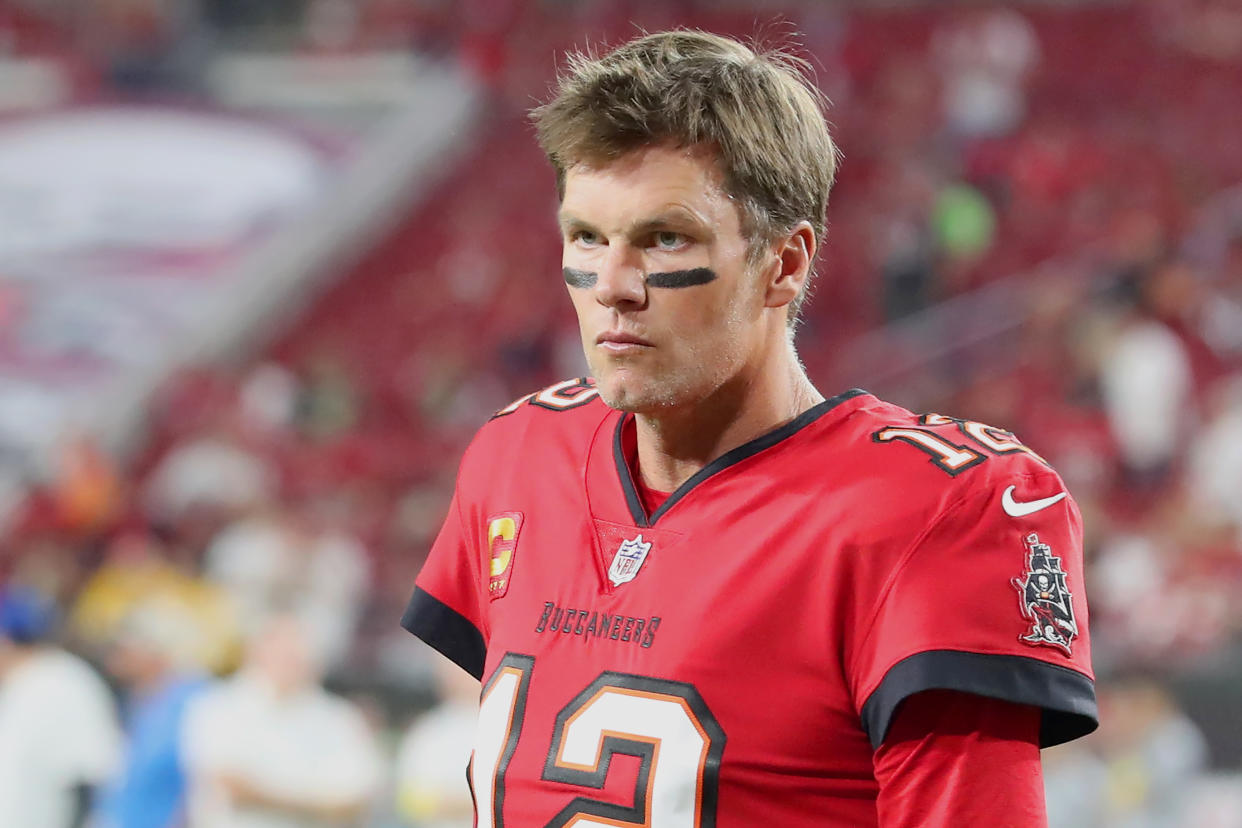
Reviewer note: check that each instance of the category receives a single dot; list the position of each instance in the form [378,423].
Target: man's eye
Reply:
[585,237]
[668,240]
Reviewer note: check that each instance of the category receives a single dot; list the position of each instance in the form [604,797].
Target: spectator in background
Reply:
[1214,473]
[271,749]
[155,659]
[1147,382]
[431,762]
[290,557]
[137,570]
[1141,773]
[58,734]
[147,47]
[212,470]
[984,61]
[903,243]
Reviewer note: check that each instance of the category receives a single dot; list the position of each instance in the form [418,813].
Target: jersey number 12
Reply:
[953,457]
[666,724]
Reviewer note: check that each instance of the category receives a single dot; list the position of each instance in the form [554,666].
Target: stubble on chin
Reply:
[640,394]
[617,393]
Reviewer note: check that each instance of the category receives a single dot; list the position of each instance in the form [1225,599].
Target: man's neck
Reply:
[673,446]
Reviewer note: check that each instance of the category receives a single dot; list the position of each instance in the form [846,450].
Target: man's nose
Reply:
[621,280]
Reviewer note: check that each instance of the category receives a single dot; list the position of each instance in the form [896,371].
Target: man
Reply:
[270,748]
[431,790]
[697,592]
[59,738]
[156,657]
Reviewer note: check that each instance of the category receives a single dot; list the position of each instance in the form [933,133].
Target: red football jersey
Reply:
[734,658]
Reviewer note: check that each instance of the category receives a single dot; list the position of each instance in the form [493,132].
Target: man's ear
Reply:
[794,255]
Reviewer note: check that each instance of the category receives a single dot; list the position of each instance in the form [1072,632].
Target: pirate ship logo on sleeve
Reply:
[1045,598]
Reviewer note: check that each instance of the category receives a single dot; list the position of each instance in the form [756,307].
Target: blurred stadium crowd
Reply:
[1038,224]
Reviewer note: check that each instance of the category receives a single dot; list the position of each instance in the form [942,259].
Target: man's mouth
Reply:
[621,341]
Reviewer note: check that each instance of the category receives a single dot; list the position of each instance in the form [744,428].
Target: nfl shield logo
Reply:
[629,558]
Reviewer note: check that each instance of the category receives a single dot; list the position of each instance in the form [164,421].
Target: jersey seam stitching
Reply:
[598,555]
[909,553]
[902,562]
[472,540]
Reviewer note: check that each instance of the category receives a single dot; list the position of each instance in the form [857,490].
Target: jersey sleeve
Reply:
[447,607]
[951,759]
[988,600]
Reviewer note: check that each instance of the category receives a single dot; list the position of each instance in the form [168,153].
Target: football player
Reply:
[698,592]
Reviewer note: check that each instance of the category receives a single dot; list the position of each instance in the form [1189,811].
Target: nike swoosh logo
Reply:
[1015,508]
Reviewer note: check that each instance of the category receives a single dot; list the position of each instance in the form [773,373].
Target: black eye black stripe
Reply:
[672,279]
[579,278]
[681,278]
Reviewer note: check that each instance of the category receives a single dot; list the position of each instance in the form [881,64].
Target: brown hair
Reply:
[757,110]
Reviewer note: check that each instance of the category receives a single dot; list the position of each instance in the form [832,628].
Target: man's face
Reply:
[656,265]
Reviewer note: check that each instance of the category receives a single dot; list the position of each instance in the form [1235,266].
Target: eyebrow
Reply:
[566,221]
[672,217]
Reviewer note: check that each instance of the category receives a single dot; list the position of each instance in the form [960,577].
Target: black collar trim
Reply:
[729,458]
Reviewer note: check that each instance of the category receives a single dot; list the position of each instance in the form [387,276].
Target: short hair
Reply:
[757,110]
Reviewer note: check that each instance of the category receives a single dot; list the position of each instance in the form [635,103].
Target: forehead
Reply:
[647,181]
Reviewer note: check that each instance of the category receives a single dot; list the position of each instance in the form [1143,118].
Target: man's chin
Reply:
[629,397]
[617,398]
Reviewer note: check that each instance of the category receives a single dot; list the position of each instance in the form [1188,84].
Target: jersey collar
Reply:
[617,479]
